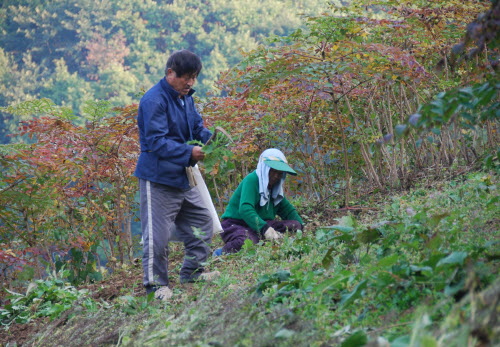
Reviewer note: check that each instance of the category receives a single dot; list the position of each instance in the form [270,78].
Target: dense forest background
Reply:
[72,51]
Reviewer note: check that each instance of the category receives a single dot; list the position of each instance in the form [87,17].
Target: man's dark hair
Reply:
[184,62]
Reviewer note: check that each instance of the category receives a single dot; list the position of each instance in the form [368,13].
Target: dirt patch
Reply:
[20,333]
[127,281]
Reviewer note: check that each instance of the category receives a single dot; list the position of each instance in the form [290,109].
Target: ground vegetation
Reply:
[388,110]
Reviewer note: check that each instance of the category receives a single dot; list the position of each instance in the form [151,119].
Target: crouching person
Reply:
[253,207]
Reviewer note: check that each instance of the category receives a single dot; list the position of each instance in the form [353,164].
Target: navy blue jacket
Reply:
[165,125]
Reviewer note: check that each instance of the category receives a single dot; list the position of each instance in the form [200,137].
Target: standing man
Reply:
[167,120]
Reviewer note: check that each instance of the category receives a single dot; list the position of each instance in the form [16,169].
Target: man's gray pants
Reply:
[165,211]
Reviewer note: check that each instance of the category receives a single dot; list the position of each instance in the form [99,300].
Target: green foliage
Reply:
[359,338]
[268,281]
[82,266]
[332,94]
[71,190]
[466,107]
[401,287]
[475,110]
[351,239]
[218,154]
[400,261]
[133,305]
[492,161]
[112,50]
[44,298]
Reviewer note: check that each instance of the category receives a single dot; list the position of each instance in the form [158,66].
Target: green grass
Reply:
[423,272]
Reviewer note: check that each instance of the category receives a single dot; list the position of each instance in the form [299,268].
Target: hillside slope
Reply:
[419,268]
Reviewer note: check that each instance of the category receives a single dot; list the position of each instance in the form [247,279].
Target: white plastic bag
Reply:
[197,182]
[207,199]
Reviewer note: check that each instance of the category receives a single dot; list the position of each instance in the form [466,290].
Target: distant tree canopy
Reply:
[70,51]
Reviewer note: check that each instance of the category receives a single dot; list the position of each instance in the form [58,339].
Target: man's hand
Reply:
[197,153]
[272,234]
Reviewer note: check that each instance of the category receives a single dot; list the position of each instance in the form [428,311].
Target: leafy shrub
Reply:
[44,298]
[81,266]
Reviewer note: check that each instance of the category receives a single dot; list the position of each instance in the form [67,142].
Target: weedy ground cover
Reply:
[423,272]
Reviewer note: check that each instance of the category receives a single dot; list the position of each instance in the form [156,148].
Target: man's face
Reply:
[181,84]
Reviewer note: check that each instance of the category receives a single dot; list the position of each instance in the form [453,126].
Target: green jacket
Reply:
[245,205]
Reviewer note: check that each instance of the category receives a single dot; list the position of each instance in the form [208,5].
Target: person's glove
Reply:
[272,234]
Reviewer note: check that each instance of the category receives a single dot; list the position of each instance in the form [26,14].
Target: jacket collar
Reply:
[168,88]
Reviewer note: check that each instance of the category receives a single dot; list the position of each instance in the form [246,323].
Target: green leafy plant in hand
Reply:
[218,154]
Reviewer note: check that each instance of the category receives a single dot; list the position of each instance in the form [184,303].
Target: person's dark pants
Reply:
[236,231]
[165,211]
